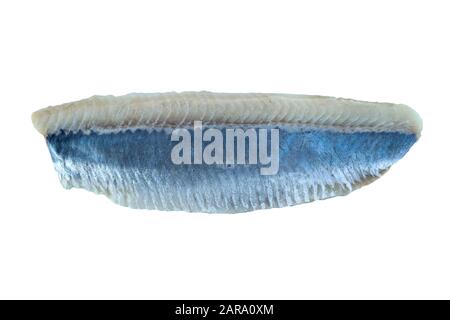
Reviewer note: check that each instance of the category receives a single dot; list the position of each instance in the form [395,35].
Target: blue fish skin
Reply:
[134,168]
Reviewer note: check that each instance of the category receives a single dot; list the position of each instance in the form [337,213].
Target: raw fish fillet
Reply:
[322,147]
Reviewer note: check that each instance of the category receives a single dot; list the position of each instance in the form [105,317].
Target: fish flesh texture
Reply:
[224,152]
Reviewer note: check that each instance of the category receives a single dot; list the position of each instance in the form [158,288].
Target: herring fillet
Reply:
[120,147]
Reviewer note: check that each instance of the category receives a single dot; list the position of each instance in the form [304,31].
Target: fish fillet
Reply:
[123,147]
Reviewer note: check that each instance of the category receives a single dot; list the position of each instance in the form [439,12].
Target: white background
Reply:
[388,240]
